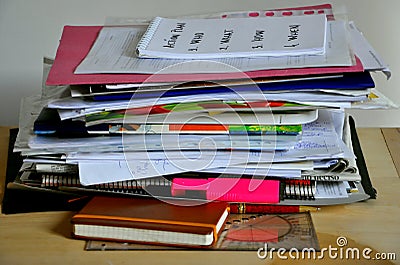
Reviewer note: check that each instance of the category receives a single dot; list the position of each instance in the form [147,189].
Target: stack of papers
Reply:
[110,118]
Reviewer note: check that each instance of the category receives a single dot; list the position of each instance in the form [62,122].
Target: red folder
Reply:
[76,42]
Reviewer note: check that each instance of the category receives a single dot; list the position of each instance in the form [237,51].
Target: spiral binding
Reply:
[126,186]
[299,189]
[293,189]
[148,35]
[55,181]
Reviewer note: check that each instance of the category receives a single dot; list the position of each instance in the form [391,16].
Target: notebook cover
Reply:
[151,214]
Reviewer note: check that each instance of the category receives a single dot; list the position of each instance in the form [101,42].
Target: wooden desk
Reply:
[44,238]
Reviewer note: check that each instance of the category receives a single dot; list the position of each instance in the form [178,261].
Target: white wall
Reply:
[31,29]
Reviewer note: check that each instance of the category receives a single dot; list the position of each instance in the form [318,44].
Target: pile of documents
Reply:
[260,129]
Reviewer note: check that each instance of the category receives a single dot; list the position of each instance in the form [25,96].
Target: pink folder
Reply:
[230,189]
[76,42]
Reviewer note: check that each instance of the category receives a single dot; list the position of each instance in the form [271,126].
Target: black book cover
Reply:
[362,167]
[23,200]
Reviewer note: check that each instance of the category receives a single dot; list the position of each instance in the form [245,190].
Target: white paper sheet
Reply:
[330,189]
[370,59]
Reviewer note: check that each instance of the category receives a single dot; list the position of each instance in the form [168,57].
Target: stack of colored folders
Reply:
[268,130]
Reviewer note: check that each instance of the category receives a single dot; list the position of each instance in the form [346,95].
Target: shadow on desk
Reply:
[63,227]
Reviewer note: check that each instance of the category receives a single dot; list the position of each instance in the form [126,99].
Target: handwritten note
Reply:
[232,38]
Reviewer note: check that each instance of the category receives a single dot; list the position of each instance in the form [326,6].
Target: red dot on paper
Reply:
[224,16]
[269,14]
[309,12]
[254,14]
[287,13]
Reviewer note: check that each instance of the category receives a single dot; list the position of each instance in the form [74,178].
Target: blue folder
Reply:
[357,80]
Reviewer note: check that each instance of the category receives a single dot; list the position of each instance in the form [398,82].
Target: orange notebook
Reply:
[150,221]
